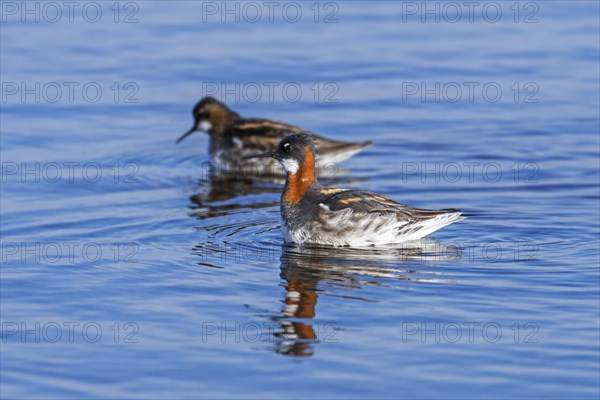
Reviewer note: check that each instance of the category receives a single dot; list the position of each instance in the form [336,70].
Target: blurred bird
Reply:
[233,137]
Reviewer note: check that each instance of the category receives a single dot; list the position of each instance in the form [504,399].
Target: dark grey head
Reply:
[295,152]
[211,116]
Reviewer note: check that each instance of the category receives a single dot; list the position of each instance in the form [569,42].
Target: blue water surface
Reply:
[128,272]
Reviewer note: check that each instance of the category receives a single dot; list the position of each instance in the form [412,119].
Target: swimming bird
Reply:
[233,137]
[312,214]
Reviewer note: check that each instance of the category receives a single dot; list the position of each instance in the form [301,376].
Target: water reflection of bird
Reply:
[299,303]
[211,193]
[305,269]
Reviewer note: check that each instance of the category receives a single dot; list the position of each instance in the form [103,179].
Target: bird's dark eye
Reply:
[287,147]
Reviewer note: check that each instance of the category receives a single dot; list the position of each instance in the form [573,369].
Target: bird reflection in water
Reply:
[219,194]
[219,189]
[300,300]
[304,269]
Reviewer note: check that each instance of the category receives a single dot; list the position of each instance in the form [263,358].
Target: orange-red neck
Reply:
[297,184]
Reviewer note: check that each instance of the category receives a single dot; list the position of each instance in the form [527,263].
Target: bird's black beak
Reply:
[270,154]
[188,133]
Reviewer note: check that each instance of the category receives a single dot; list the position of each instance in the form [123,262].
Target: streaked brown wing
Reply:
[325,145]
[367,202]
[262,134]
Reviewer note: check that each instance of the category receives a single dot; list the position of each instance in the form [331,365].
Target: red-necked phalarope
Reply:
[312,214]
[233,137]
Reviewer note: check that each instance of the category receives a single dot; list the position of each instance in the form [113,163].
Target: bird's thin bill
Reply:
[188,133]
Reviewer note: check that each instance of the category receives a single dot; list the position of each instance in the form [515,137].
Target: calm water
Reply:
[126,272]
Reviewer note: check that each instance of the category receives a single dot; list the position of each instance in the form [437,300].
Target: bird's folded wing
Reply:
[367,202]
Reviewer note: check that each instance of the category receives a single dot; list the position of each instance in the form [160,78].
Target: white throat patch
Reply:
[291,166]
[205,126]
